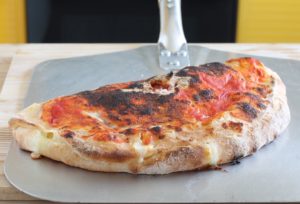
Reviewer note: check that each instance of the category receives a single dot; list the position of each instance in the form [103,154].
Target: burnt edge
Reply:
[248,109]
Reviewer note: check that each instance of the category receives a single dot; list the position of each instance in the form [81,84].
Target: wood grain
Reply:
[17,62]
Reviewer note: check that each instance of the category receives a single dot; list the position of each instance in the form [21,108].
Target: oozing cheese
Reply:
[141,149]
[213,153]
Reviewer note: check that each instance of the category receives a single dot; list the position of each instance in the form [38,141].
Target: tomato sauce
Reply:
[210,93]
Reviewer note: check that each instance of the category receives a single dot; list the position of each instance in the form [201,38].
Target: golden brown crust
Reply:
[25,131]
[180,148]
[93,158]
[261,131]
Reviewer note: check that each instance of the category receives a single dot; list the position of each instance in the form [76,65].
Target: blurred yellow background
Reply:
[12,21]
[268,21]
[258,21]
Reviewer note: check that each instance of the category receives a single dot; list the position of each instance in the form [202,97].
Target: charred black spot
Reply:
[236,160]
[214,68]
[162,99]
[261,106]
[194,80]
[123,112]
[206,94]
[128,121]
[260,90]
[169,75]
[118,104]
[116,99]
[253,96]
[110,100]
[138,85]
[114,117]
[69,134]
[128,131]
[146,111]
[259,102]
[196,97]
[187,71]
[182,73]
[191,69]
[248,109]
[155,130]
[165,98]
[272,80]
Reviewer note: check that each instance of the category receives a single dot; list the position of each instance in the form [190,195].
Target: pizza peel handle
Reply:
[173,51]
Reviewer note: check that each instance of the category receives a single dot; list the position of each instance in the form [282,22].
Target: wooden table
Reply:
[17,61]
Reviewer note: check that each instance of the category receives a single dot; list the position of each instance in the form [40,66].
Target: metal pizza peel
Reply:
[271,175]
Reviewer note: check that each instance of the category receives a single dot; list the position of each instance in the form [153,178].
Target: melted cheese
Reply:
[141,149]
[32,114]
[94,115]
[213,153]
[39,136]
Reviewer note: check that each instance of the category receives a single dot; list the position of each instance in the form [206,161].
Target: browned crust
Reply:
[107,152]
[173,157]
[261,131]
[64,152]
[111,154]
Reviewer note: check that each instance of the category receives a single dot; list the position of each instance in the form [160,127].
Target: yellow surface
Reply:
[268,21]
[12,21]
[258,21]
